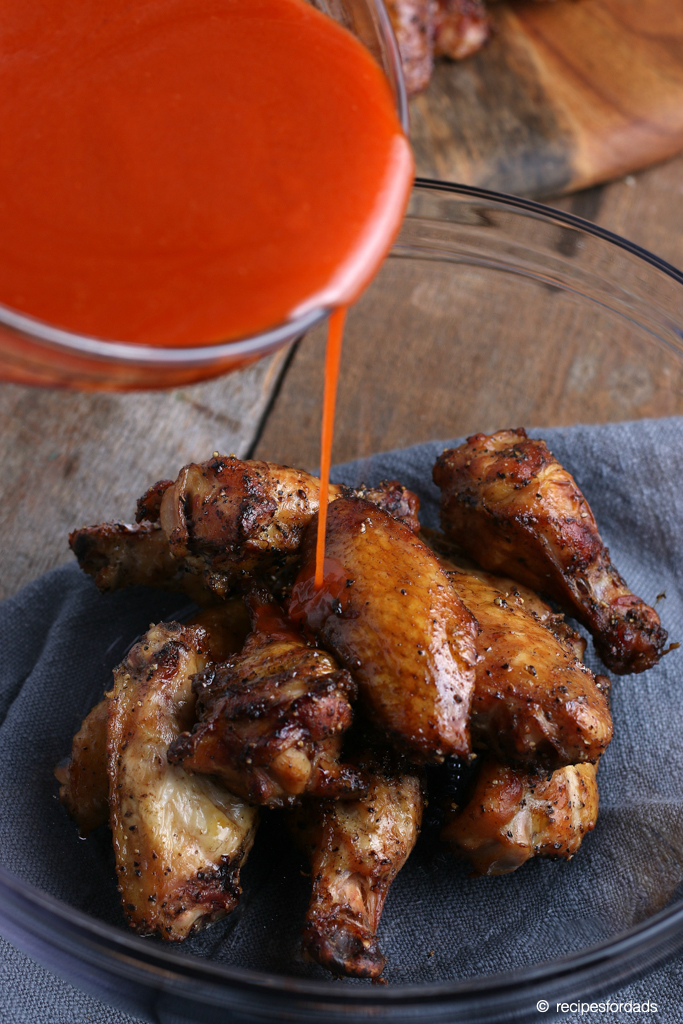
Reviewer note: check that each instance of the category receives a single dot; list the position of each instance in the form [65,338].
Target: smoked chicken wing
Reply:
[179,840]
[513,815]
[388,612]
[512,507]
[513,591]
[356,848]
[395,499]
[534,700]
[272,719]
[84,783]
[219,523]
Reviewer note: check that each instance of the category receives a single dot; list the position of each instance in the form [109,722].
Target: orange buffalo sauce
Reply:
[181,172]
[335,334]
[178,172]
[313,600]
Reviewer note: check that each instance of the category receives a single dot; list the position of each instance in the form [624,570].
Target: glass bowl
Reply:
[625,307]
[33,352]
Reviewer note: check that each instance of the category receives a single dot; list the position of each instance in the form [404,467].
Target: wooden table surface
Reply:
[73,459]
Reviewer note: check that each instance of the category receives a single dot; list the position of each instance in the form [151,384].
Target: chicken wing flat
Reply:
[272,719]
[534,700]
[356,848]
[220,522]
[388,612]
[510,505]
[84,789]
[179,840]
[514,815]
[461,27]
[513,592]
[413,24]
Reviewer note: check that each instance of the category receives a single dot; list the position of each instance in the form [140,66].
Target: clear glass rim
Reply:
[557,216]
[246,349]
[128,955]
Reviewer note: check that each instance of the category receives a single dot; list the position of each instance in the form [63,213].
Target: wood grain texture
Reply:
[647,208]
[564,96]
[71,459]
[444,355]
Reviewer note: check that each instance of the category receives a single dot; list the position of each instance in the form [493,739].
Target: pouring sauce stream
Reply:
[335,333]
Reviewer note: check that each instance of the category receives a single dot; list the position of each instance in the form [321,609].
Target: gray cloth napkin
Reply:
[60,640]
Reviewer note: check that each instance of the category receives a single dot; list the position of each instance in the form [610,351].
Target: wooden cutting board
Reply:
[564,96]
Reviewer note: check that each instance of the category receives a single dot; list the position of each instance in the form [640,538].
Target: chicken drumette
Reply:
[512,507]
[179,840]
[514,814]
[356,848]
[388,612]
[272,719]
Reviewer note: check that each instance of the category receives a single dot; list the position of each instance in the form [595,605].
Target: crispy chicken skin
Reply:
[272,719]
[121,555]
[388,612]
[514,815]
[149,505]
[218,524]
[356,848]
[534,700]
[230,518]
[413,24]
[461,27]
[179,840]
[227,517]
[510,505]
[395,499]
[513,592]
[84,789]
